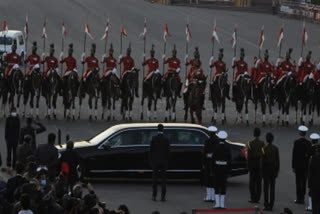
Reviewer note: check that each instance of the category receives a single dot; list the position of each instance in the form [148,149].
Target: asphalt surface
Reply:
[76,13]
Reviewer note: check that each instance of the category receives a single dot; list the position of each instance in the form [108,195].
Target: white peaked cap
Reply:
[222,135]
[212,129]
[314,136]
[303,128]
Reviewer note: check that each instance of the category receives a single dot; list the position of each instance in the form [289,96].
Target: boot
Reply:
[179,90]
[228,92]
[202,103]
[217,201]
[207,198]
[137,92]
[212,194]
[222,198]
[309,208]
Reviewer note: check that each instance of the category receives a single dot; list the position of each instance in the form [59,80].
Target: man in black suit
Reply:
[300,163]
[159,156]
[313,181]
[12,130]
[15,182]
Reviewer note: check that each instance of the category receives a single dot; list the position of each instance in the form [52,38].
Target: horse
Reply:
[194,100]
[110,93]
[316,100]
[91,87]
[242,95]
[15,85]
[70,92]
[171,89]
[129,83]
[52,88]
[152,91]
[32,87]
[218,94]
[3,91]
[262,94]
[286,91]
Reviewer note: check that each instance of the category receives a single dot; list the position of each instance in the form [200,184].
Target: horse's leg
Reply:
[25,101]
[149,108]
[96,107]
[80,104]
[191,115]
[31,103]
[141,111]
[55,98]
[18,103]
[223,110]
[247,111]
[155,108]
[130,108]
[113,108]
[37,106]
[173,107]
[73,102]
[167,110]
[90,107]
[263,110]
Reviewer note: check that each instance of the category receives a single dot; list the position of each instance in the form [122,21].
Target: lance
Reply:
[235,52]
[164,53]
[212,53]
[105,49]
[25,56]
[62,48]
[120,49]
[84,50]
[187,51]
[44,49]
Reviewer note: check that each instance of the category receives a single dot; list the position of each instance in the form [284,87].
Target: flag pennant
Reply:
[214,34]
[106,31]
[44,33]
[123,31]
[166,32]
[280,37]
[88,32]
[233,40]
[304,34]
[188,33]
[26,28]
[261,38]
[144,33]
[64,31]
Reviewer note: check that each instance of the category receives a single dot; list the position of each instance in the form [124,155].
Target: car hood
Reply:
[76,145]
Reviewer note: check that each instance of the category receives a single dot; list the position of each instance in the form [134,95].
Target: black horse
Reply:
[3,92]
[110,93]
[218,93]
[52,89]
[91,87]
[171,89]
[152,91]
[242,95]
[194,100]
[129,83]
[15,84]
[286,91]
[32,87]
[263,94]
[70,92]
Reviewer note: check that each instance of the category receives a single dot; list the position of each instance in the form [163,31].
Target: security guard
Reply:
[209,145]
[254,165]
[300,163]
[314,137]
[313,181]
[222,159]
[270,171]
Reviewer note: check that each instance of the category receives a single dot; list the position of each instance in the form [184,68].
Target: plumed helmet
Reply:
[288,54]
[266,54]
[220,52]
[309,55]
[93,46]
[71,46]
[242,52]
[111,47]
[51,46]
[196,52]
[152,49]
[129,48]
[174,50]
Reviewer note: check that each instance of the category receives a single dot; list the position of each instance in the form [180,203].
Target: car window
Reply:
[20,38]
[128,138]
[185,137]
[8,41]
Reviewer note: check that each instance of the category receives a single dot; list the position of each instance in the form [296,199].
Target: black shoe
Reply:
[154,198]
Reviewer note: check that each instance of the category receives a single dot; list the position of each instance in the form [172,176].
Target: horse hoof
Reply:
[102,117]
[185,121]
[282,123]
[37,117]
[247,123]
[109,118]
[141,116]
[90,117]
[79,117]
[170,118]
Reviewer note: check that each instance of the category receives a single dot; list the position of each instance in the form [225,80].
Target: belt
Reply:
[221,163]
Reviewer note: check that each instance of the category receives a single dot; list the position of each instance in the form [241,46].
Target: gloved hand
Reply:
[103,57]
[289,73]
[75,70]
[157,71]
[16,66]
[187,82]
[245,73]
[178,70]
[257,63]
[186,58]
[114,70]
[119,57]
[83,56]
[311,76]
[278,62]
[233,61]
[211,60]
[43,56]
[61,56]
[163,56]
[300,62]
[57,70]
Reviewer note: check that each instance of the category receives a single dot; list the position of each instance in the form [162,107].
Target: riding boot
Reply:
[202,102]
[228,91]
[233,92]
[137,92]
[185,97]
[179,89]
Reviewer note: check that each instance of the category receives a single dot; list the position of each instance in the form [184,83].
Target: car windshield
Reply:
[8,41]
[101,136]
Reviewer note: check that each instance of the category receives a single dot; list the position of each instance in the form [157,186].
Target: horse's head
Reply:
[36,78]
[202,82]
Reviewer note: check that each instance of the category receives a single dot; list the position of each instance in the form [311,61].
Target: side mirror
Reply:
[106,146]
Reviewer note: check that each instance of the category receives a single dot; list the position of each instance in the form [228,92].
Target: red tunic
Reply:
[305,69]
[242,67]
[33,59]
[153,65]
[283,69]
[128,64]
[71,64]
[263,69]
[173,65]
[220,68]
[316,77]
[51,62]
[194,73]
[192,62]
[92,63]
[111,63]
[12,59]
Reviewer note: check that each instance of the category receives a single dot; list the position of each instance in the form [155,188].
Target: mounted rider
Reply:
[13,60]
[128,66]
[263,68]
[70,61]
[284,68]
[91,61]
[33,59]
[111,63]
[305,69]
[51,61]
[242,69]
[221,69]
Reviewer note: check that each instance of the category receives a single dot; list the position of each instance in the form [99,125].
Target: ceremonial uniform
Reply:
[192,62]
[305,69]
[111,63]
[92,64]
[283,70]
[242,67]
[71,63]
[12,59]
[52,63]
[254,165]
[128,64]
[153,65]
[264,68]
[220,69]
[174,65]
[193,74]
[32,59]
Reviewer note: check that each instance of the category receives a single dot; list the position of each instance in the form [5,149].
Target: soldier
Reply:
[242,68]
[220,66]
[174,66]
[91,61]
[33,59]
[70,61]
[254,165]
[209,145]
[264,68]
[284,68]
[111,63]
[12,59]
[313,181]
[196,55]
[128,65]
[51,61]
[153,67]
[222,159]
[270,171]
[305,69]
[300,163]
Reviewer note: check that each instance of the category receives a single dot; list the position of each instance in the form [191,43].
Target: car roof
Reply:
[155,125]
[10,33]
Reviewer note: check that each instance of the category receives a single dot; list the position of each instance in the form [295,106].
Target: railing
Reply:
[300,10]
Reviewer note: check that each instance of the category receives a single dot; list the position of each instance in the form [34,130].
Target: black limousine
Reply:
[122,151]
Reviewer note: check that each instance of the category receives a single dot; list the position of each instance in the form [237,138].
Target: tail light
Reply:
[244,153]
